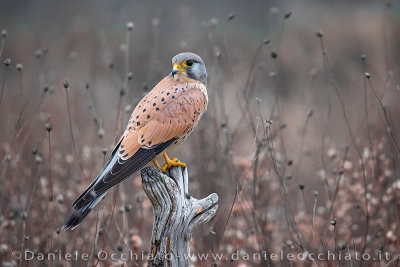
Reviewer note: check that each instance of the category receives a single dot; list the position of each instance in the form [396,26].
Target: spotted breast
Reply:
[170,110]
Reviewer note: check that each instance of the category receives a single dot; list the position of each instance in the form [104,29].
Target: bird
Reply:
[163,119]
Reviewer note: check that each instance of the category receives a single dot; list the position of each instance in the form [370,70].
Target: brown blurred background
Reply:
[295,142]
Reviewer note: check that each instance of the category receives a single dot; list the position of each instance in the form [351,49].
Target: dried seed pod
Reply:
[48,127]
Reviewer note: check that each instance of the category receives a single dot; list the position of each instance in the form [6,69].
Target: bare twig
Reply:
[4,80]
[389,127]
[66,86]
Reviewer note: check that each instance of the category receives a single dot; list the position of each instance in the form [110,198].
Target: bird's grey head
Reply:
[189,65]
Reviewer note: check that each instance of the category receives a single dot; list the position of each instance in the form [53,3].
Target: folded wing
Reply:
[160,119]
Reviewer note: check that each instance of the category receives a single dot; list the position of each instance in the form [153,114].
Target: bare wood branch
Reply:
[176,215]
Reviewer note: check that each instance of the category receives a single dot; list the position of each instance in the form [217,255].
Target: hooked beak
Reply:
[177,69]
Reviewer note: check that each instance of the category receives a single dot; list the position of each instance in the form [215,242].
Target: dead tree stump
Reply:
[176,215]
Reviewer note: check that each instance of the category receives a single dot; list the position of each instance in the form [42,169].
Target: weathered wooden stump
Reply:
[176,215]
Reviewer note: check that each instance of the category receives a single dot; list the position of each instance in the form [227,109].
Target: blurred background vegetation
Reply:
[300,144]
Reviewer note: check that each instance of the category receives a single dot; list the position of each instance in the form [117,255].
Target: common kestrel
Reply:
[163,119]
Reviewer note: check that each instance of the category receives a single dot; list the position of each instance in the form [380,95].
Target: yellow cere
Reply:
[178,67]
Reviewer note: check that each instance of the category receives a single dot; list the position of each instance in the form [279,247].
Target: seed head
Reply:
[104,151]
[122,92]
[129,26]
[3,248]
[267,41]
[60,198]
[7,62]
[48,127]
[4,33]
[120,247]
[128,108]
[66,84]
[367,75]
[333,222]
[274,54]
[287,15]
[231,16]
[214,22]
[101,232]
[319,34]
[363,57]
[127,207]
[19,67]
[38,53]
[38,159]
[100,133]
[301,186]
[130,75]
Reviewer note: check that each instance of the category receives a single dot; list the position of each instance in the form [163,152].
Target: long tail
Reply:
[78,214]
[89,199]
[115,171]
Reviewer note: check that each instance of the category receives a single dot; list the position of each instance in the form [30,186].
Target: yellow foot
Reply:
[169,163]
[155,162]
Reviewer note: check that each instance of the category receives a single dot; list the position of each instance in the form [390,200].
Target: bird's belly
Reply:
[180,139]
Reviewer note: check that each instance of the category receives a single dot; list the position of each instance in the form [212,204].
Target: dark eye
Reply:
[189,63]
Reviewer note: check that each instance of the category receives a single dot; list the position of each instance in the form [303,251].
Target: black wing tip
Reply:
[73,221]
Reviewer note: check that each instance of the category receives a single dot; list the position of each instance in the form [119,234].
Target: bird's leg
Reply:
[169,163]
[155,162]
